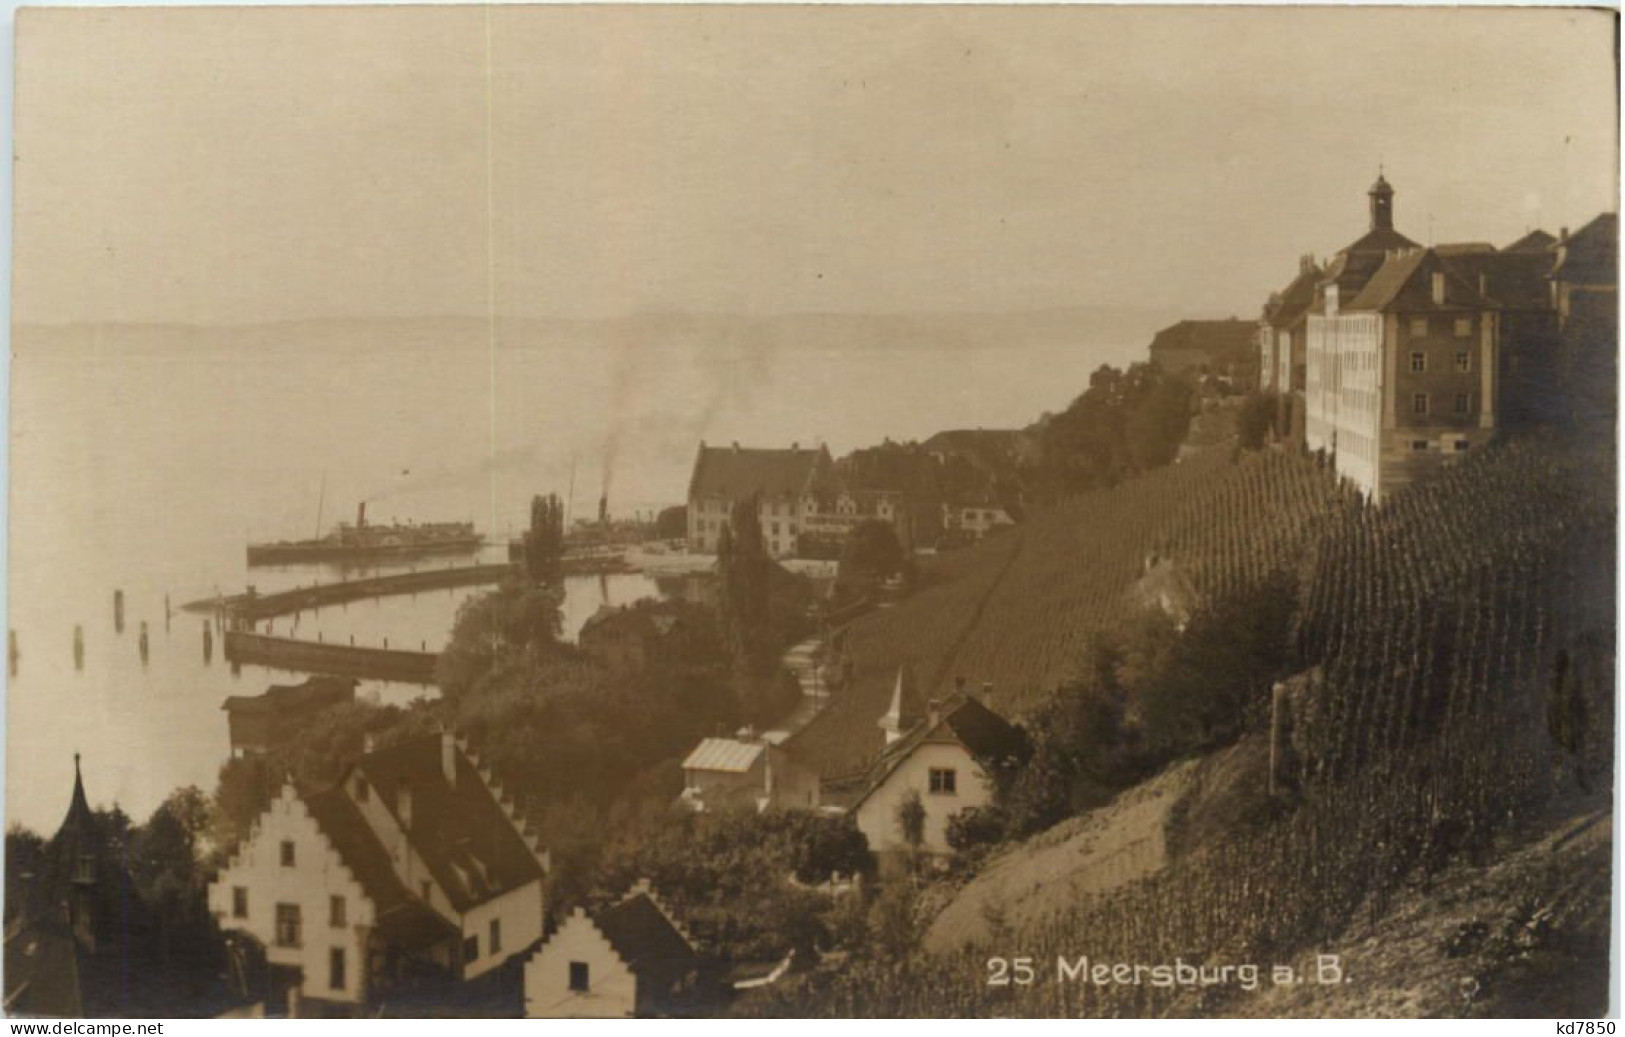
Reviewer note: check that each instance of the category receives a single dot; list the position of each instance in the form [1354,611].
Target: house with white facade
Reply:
[746,772]
[631,960]
[940,752]
[413,867]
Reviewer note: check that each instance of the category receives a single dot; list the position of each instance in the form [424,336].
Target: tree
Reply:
[544,541]
[672,523]
[503,628]
[911,820]
[871,552]
[1255,418]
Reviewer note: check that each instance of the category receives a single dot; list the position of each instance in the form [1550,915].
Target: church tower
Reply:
[1382,204]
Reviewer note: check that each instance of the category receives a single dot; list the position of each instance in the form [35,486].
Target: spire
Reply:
[905,709]
[79,818]
[1382,203]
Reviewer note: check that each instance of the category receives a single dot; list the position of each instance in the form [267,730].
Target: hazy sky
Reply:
[225,165]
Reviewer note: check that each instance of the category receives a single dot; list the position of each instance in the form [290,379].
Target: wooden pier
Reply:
[288,653]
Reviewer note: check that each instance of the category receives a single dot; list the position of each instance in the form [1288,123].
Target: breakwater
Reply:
[265,606]
[288,653]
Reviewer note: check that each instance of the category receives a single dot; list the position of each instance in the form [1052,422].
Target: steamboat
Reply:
[361,542]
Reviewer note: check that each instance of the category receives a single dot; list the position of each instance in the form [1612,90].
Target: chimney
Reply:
[959,684]
[361,515]
[933,713]
[795,445]
[448,757]
[1306,263]
[987,693]
[403,806]
[736,446]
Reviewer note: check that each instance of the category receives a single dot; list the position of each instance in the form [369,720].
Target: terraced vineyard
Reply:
[1460,631]
[1018,611]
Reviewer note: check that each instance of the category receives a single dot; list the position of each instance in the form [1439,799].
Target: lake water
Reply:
[146,458]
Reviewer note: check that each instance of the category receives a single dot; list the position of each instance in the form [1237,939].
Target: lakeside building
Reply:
[1283,333]
[259,723]
[412,869]
[936,751]
[1221,348]
[1414,356]
[632,960]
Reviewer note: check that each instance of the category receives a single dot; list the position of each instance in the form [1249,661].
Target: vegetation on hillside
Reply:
[1457,648]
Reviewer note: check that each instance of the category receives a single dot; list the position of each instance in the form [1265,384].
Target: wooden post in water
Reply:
[11,652]
[118,611]
[79,646]
[143,642]
[208,643]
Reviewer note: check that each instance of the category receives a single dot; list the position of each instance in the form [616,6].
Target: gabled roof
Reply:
[649,942]
[964,722]
[41,968]
[1535,241]
[724,754]
[1295,300]
[402,918]
[1591,254]
[739,472]
[1404,280]
[465,837]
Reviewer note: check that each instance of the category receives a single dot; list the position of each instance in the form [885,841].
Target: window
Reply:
[579,977]
[84,868]
[1419,444]
[1438,288]
[1463,403]
[1464,362]
[335,912]
[1419,327]
[1419,362]
[1464,327]
[1461,445]
[471,949]
[361,790]
[944,781]
[335,968]
[496,936]
[1419,403]
[287,925]
[239,902]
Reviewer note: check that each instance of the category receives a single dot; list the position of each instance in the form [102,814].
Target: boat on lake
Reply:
[361,541]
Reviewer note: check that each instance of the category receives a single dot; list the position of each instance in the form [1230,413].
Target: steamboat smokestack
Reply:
[603,509]
[361,515]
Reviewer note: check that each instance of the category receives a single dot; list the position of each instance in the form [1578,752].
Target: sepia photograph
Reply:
[812,511]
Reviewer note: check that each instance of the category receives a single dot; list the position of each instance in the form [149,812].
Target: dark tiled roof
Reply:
[1591,254]
[1221,340]
[1515,280]
[1535,241]
[982,732]
[315,693]
[463,835]
[1403,281]
[41,969]
[648,942]
[1296,299]
[740,472]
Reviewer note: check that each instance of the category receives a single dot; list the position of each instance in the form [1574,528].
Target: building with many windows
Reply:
[412,868]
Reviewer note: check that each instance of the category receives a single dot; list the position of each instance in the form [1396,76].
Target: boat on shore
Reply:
[361,541]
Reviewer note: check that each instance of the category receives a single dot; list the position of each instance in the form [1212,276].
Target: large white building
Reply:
[413,865]
[1401,360]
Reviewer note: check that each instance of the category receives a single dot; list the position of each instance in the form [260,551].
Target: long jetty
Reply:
[281,603]
[288,653]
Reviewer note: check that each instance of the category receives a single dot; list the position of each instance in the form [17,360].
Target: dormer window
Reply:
[1438,288]
[84,868]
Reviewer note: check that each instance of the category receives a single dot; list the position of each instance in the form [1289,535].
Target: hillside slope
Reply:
[1019,610]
